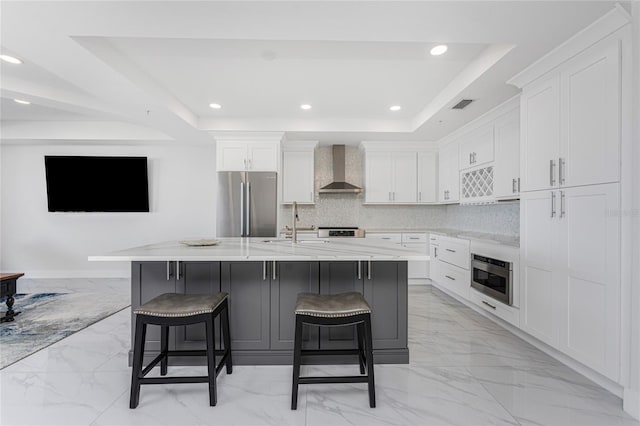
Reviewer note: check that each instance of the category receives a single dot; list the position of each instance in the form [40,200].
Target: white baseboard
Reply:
[80,273]
[418,281]
[631,402]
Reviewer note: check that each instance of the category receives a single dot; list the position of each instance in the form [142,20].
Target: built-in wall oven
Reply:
[493,277]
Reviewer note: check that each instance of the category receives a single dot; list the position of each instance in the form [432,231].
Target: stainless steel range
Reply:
[340,231]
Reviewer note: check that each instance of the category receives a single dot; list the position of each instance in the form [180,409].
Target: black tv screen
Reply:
[97,184]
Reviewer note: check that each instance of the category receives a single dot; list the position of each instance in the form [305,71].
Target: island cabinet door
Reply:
[385,289]
[196,278]
[247,284]
[340,277]
[290,279]
[149,280]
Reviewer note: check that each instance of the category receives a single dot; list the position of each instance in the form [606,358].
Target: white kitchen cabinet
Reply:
[506,169]
[590,276]
[298,173]
[454,279]
[433,255]
[540,134]
[538,260]
[247,156]
[590,116]
[391,177]
[571,122]
[427,178]
[449,174]
[570,272]
[417,271]
[477,147]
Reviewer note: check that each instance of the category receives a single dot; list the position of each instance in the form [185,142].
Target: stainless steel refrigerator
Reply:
[247,204]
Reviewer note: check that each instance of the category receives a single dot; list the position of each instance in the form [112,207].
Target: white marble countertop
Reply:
[508,240]
[262,249]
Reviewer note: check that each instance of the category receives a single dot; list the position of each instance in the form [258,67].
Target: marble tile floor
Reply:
[464,370]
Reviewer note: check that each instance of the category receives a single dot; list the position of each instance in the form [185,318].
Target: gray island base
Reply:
[263,279]
[262,297]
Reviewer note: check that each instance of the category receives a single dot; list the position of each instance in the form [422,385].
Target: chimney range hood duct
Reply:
[339,185]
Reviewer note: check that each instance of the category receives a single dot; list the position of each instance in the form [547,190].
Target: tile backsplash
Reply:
[348,210]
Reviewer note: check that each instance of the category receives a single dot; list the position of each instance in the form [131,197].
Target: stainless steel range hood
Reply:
[339,185]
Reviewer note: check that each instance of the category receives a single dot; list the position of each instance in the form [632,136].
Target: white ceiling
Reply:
[158,65]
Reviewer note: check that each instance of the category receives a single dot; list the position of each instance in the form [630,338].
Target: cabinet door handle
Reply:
[359,269]
[474,158]
[168,270]
[264,270]
[452,251]
[561,170]
[518,185]
[470,159]
[451,278]
[414,238]
[273,273]
[178,270]
[419,196]
[553,204]
[435,252]
[562,200]
[552,179]
[489,304]
[369,269]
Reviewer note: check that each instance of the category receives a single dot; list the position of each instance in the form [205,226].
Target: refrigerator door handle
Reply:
[241,209]
[248,212]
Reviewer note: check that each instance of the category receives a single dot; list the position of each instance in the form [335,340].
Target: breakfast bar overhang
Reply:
[263,278]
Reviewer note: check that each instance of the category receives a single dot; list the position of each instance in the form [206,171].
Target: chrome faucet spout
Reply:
[295,219]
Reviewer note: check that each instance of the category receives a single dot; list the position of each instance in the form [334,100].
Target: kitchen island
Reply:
[263,278]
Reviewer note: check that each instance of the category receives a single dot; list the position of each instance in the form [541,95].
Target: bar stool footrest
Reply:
[177,379]
[333,379]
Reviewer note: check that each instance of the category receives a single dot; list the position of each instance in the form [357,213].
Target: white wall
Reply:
[632,392]
[182,182]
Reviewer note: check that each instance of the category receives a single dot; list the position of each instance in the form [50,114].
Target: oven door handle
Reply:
[492,269]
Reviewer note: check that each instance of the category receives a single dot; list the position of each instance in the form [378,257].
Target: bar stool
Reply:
[172,309]
[334,310]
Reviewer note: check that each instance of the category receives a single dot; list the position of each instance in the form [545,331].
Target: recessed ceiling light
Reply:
[395,108]
[215,106]
[10,59]
[439,50]
[305,106]
[20,101]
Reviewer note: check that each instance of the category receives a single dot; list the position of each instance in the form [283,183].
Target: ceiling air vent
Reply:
[462,104]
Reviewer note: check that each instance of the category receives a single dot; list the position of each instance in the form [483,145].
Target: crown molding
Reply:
[602,27]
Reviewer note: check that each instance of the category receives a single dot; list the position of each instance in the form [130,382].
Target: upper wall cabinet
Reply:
[427,184]
[399,174]
[480,163]
[298,172]
[261,156]
[506,171]
[449,174]
[571,122]
[477,147]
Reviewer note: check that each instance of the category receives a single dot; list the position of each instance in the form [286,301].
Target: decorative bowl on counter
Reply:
[201,242]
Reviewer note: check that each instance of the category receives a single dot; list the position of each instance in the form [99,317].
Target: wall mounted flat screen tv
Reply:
[97,184]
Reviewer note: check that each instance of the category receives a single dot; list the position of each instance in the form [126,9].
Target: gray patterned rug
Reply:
[46,318]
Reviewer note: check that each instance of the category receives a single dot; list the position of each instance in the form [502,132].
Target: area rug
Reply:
[46,318]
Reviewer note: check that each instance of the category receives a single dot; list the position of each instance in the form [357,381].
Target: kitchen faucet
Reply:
[294,232]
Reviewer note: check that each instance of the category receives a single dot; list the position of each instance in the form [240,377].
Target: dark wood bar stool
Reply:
[171,309]
[332,311]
